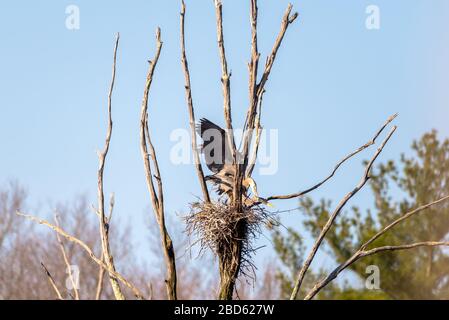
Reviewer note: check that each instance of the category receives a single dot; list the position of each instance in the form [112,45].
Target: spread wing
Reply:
[216,147]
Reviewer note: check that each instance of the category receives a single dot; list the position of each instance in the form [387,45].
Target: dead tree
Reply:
[104,223]
[238,222]
[157,197]
[106,261]
[228,227]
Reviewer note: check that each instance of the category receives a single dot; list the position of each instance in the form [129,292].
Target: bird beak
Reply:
[265,202]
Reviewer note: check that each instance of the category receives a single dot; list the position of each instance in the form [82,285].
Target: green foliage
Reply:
[421,273]
[290,250]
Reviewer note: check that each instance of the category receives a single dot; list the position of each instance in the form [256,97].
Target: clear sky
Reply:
[333,84]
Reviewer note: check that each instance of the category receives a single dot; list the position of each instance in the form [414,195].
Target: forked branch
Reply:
[225,78]
[363,252]
[104,227]
[67,262]
[88,250]
[335,214]
[339,164]
[257,88]
[188,90]
[150,160]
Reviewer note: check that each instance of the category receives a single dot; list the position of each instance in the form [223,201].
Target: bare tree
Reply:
[106,260]
[25,247]
[157,197]
[232,252]
[233,249]
[103,221]
[226,225]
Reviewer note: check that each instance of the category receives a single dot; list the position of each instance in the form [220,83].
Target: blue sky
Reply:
[333,84]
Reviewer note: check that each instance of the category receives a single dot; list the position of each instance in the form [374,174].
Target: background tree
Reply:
[229,226]
[419,274]
[24,247]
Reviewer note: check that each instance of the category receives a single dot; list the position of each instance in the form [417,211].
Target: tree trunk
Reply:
[230,260]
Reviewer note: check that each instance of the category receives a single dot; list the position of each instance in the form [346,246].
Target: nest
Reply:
[216,226]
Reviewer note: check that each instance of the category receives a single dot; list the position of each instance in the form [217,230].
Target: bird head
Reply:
[249,183]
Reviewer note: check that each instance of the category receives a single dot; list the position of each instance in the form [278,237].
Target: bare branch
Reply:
[226,87]
[111,207]
[404,247]
[334,215]
[258,128]
[52,282]
[404,217]
[67,262]
[286,21]
[157,199]
[108,258]
[87,249]
[143,124]
[257,90]
[188,89]
[230,265]
[225,77]
[346,158]
[101,272]
[362,252]
[253,68]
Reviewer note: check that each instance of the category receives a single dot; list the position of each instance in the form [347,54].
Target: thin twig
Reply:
[334,215]
[257,90]
[67,262]
[188,90]
[253,68]
[287,20]
[339,164]
[404,247]
[399,220]
[111,207]
[52,282]
[101,272]
[86,248]
[362,252]
[258,128]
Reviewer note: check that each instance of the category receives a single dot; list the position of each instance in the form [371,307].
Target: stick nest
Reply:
[216,226]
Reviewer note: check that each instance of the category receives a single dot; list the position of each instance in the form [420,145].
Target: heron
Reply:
[219,159]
